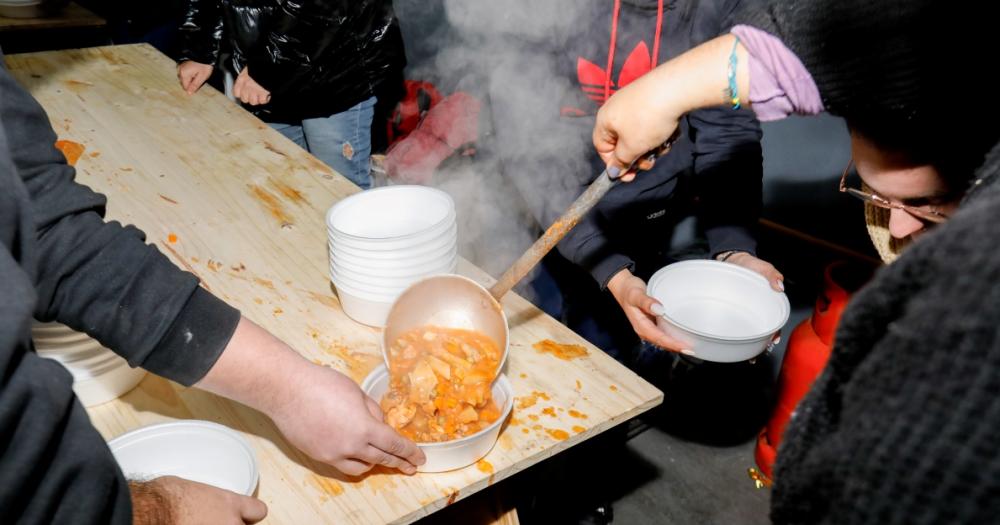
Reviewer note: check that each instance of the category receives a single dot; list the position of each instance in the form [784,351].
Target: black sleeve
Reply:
[101,277]
[200,32]
[728,166]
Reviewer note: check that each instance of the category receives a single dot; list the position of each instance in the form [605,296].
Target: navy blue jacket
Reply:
[543,115]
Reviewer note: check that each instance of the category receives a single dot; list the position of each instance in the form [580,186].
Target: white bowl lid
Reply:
[194,450]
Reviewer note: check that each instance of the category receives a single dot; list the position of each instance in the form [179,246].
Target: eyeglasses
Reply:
[926,213]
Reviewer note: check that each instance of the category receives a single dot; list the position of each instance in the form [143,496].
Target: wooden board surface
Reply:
[72,15]
[243,208]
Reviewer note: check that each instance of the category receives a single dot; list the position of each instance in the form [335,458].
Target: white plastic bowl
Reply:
[723,312]
[391,214]
[113,383]
[457,453]
[365,308]
[421,246]
[379,284]
[194,450]
[402,269]
[395,260]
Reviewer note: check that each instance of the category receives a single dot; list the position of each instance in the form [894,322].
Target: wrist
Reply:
[617,283]
[150,503]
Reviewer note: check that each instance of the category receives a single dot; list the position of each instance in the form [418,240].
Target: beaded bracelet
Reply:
[734,95]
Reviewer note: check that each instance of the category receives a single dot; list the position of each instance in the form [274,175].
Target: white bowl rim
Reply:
[450,215]
[201,424]
[714,265]
[500,380]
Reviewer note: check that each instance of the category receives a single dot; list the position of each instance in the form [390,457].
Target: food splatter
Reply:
[579,385]
[565,352]
[525,430]
[264,282]
[324,300]
[289,192]
[484,466]
[578,429]
[524,402]
[557,434]
[613,388]
[549,411]
[271,204]
[533,417]
[258,300]
[71,150]
[523,375]
[278,311]
[578,415]
[172,238]
[328,487]
[168,199]
[95,154]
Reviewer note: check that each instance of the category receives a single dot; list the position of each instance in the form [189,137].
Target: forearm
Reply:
[697,79]
[254,369]
[149,504]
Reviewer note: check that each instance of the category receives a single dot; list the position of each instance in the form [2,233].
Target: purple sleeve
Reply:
[779,83]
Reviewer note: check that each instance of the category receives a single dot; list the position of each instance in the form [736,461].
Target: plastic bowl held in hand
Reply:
[457,453]
[722,312]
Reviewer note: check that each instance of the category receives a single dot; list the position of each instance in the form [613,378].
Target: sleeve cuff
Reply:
[195,340]
[731,238]
[606,269]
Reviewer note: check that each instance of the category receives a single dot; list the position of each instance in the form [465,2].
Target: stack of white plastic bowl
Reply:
[99,375]
[385,239]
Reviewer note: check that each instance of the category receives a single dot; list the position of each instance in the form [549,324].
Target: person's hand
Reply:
[318,409]
[249,91]
[170,500]
[193,75]
[641,310]
[637,120]
[760,266]
[328,417]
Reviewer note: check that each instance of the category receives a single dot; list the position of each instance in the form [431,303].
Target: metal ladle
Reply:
[454,301]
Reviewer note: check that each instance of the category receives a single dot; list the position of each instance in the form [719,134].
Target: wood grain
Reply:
[234,202]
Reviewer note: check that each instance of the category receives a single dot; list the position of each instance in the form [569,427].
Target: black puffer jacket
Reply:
[316,57]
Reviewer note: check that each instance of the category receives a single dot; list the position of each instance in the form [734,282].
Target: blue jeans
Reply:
[342,141]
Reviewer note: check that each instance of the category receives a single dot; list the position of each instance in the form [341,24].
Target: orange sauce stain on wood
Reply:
[523,375]
[271,204]
[77,86]
[95,154]
[168,199]
[549,411]
[533,417]
[565,352]
[172,238]
[525,430]
[324,300]
[514,421]
[557,434]
[484,466]
[579,385]
[71,150]
[278,311]
[258,300]
[578,429]
[328,487]
[613,388]
[289,192]
[264,282]
[195,259]
[578,415]
[452,495]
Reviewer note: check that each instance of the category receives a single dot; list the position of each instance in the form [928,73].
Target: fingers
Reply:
[252,510]
[648,331]
[384,438]
[381,457]
[353,467]
[375,410]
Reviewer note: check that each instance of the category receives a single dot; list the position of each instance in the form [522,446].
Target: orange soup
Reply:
[440,384]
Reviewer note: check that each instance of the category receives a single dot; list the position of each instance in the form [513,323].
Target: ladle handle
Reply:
[553,235]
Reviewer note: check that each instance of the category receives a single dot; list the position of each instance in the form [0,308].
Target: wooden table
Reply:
[72,16]
[243,208]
